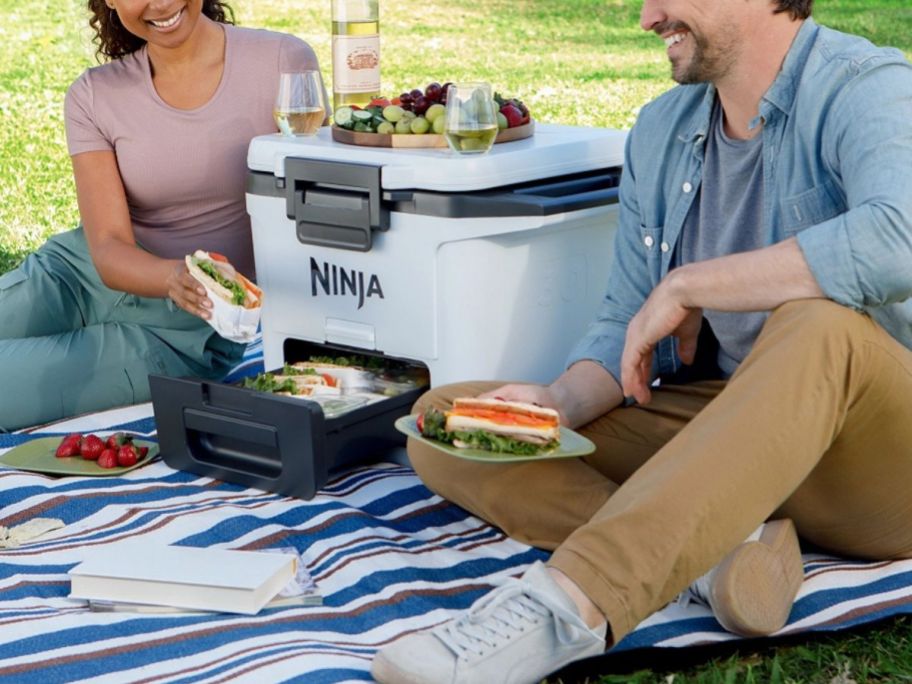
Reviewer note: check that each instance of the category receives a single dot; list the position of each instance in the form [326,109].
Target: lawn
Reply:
[582,62]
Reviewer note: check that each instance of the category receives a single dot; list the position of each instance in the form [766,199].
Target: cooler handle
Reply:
[540,199]
[334,204]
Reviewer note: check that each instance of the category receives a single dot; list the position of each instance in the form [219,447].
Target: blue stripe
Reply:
[330,676]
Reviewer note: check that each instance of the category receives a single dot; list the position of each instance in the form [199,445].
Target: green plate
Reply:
[37,456]
[571,444]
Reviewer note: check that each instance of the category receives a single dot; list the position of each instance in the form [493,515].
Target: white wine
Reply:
[355,52]
[356,62]
[471,138]
[299,121]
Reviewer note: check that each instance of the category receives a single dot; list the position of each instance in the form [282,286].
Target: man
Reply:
[766,207]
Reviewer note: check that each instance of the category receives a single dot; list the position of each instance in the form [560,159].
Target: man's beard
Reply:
[708,63]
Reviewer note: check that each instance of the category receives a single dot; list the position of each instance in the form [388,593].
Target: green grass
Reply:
[878,654]
[582,62]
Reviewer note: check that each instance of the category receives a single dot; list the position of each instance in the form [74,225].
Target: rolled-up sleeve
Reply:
[863,257]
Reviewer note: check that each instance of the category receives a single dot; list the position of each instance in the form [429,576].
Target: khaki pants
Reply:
[816,425]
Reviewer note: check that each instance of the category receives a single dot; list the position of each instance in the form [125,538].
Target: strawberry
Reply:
[91,448]
[143,450]
[67,449]
[108,459]
[513,114]
[126,456]
[118,439]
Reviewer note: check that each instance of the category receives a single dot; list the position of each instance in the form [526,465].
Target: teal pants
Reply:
[71,345]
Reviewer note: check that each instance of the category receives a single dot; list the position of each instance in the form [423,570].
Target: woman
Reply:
[158,138]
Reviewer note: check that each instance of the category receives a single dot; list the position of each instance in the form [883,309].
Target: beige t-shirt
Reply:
[184,171]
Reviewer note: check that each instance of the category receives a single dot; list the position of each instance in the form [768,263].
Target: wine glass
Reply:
[300,107]
[470,126]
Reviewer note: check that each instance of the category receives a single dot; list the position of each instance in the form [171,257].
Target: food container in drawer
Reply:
[284,444]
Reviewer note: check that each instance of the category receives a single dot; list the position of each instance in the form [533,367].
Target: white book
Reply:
[182,576]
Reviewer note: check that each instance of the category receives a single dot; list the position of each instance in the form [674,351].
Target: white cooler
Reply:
[477,267]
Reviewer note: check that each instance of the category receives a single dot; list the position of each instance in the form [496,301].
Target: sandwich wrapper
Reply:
[233,321]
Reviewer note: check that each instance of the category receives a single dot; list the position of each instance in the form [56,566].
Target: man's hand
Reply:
[581,394]
[662,314]
[187,292]
[530,394]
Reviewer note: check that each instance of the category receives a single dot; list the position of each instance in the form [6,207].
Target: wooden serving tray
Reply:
[410,140]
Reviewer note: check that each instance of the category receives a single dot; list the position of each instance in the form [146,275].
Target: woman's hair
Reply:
[798,9]
[114,41]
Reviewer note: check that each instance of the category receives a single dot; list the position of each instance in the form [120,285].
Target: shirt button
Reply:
[664,247]
[687,187]
[648,241]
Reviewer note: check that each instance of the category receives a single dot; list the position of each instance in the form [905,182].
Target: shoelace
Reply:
[502,614]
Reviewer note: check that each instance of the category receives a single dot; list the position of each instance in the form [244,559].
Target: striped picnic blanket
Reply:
[389,558]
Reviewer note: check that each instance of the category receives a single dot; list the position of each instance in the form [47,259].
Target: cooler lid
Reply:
[554,150]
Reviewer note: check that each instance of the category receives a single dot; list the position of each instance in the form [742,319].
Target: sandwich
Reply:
[510,427]
[221,279]
[293,382]
[346,375]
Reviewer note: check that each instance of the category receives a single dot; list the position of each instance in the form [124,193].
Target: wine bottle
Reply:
[355,51]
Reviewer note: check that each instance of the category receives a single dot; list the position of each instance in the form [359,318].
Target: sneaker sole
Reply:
[755,586]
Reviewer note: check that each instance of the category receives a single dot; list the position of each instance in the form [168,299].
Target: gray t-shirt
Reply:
[727,217]
[184,171]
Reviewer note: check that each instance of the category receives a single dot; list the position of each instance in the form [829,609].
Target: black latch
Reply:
[334,204]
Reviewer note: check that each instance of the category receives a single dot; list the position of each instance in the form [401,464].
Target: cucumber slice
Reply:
[343,117]
[362,115]
[362,127]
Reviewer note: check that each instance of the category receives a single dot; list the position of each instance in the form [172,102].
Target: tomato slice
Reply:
[419,421]
[504,418]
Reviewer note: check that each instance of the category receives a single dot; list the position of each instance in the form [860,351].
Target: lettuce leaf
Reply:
[435,428]
[267,382]
[237,290]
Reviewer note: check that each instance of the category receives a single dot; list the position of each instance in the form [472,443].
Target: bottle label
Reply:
[356,63]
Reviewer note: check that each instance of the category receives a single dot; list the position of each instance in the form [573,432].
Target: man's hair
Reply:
[114,41]
[798,9]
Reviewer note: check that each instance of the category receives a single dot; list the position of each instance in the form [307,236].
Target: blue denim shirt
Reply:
[837,172]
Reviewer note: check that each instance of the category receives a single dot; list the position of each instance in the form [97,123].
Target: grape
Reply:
[392,113]
[405,98]
[434,112]
[404,126]
[421,104]
[433,92]
[443,91]
[416,93]
[420,125]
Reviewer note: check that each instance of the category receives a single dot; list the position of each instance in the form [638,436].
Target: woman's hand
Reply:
[187,292]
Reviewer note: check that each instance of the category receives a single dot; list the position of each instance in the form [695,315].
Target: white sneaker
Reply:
[752,590]
[517,634]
